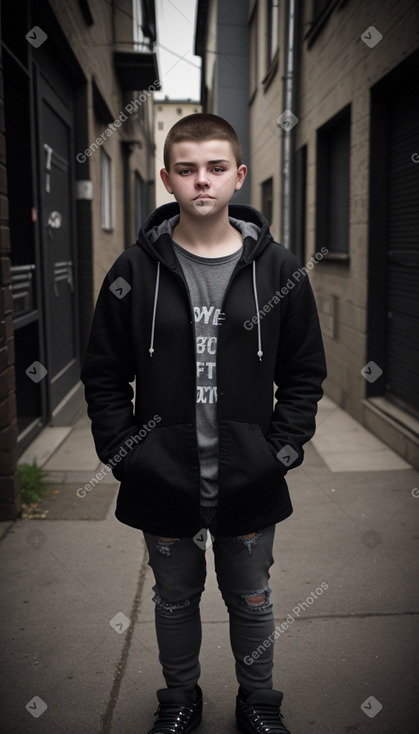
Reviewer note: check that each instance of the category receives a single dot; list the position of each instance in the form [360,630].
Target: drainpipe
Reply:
[289,103]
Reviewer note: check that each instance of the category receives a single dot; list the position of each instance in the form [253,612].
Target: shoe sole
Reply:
[242,727]
[197,723]
[194,726]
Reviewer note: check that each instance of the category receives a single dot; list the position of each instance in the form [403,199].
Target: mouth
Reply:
[203,204]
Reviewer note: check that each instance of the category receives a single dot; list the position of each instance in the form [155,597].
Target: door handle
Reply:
[55,221]
[63,271]
[48,161]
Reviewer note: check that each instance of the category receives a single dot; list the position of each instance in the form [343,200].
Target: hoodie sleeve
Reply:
[108,371]
[299,373]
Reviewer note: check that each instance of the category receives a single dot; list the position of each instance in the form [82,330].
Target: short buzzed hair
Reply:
[199,127]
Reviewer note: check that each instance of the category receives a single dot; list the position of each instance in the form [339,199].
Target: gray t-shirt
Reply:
[207,279]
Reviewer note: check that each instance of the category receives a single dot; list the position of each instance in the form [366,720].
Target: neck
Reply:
[211,235]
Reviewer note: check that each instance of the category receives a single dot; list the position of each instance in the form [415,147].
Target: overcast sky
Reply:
[176,31]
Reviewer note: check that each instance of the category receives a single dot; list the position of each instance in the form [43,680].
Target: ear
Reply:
[241,175]
[165,177]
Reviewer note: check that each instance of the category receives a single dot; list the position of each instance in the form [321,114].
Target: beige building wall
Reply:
[265,105]
[108,244]
[335,68]
[166,114]
[339,69]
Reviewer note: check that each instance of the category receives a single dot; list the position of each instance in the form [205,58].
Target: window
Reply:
[106,191]
[137,18]
[267,199]
[319,6]
[139,202]
[253,68]
[321,10]
[142,110]
[333,185]
[160,125]
[299,207]
[272,30]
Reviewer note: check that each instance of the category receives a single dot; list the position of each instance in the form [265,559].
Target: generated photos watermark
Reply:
[284,626]
[287,455]
[371,371]
[120,623]
[203,539]
[371,36]
[371,707]
[36,371]
[289,285]
[120,287]
[287,120]
[129,109]
[36,707]
[127,446]
[36,36]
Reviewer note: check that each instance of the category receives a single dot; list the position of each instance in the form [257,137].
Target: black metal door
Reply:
[403,251]
[56,228]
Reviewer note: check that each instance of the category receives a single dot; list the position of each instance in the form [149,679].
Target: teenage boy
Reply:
[207,313]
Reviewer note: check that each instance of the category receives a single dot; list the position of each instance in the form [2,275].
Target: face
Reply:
[203,176]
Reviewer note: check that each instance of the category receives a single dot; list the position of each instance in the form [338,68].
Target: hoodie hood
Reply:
[246,229]
[156,238]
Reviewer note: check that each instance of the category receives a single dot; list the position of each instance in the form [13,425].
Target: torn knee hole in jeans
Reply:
[164,545]
[249,541]
[258,599]
[167,607]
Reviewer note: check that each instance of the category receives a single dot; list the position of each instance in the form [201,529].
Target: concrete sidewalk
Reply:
[79,652]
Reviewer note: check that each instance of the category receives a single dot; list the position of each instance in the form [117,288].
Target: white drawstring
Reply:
[156,295]
[153,323]
[255,293]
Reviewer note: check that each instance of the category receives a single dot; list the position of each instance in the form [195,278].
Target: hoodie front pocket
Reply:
[247,463]
[167,464]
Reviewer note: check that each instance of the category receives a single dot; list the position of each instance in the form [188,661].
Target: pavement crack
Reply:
[8,530]
[355,615]
[107,716]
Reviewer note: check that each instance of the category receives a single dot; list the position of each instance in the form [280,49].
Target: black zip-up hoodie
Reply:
[143,328]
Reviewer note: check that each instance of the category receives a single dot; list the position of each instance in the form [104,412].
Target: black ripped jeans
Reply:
[242,567]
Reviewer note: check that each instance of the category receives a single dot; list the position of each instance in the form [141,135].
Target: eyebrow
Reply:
[210,163]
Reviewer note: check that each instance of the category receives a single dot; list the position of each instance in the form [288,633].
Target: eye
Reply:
[218,169]
[184,171]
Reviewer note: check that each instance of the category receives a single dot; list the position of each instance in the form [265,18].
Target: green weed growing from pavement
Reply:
[33,485]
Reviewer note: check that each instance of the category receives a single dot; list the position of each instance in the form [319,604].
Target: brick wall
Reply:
[9,492]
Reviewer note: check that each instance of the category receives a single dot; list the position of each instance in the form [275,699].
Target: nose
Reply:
[201,177]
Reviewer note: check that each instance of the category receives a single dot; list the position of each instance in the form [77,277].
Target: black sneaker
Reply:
[260,713]
[178,712]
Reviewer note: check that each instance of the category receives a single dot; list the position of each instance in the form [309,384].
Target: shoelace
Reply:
[266,718]
[172,718]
